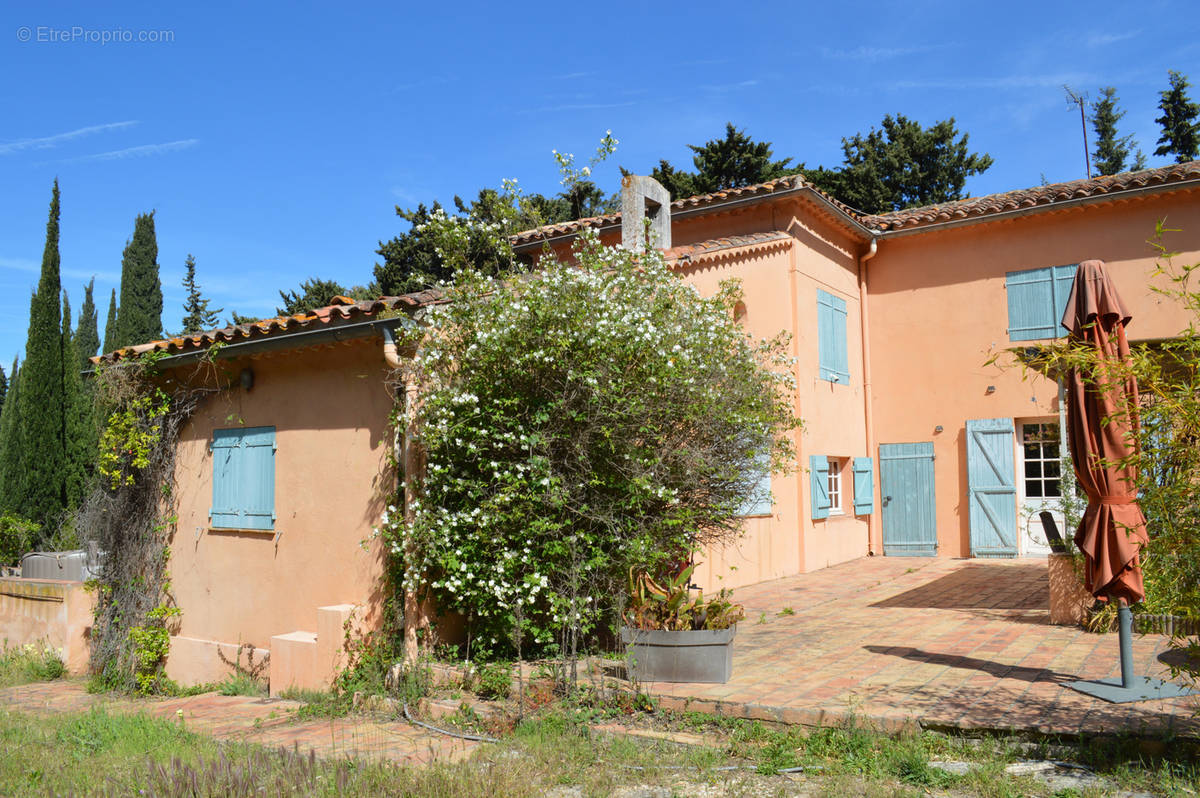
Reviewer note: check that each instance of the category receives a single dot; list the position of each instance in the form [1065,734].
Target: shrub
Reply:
[592,416]
[16,538]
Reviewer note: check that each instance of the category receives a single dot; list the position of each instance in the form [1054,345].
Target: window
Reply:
[1037,299]
[243,478]
[831,338]
[1042,463]
[834,477]
[759,502]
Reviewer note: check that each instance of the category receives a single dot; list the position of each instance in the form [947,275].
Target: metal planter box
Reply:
[702,656]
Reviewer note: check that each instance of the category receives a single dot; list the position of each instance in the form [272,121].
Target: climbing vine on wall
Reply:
[128,518]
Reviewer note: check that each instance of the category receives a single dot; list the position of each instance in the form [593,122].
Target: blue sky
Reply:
[274,140]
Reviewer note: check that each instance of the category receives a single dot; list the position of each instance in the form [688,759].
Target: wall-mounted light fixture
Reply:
[990,389]
[247,378]
[938,428]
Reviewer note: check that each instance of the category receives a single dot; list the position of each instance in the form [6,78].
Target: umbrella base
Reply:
[1144,689]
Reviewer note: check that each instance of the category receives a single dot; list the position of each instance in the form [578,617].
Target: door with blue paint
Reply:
[991,487]
[907,507]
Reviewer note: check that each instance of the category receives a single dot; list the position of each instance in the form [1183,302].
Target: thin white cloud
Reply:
[1002,82]
[741,84]
[576,107]
[575,75]
[1105,39]
[30,267]
[143,151]
[871,55]
[45,142]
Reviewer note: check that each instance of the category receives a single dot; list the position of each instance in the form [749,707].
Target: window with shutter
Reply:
[243,478]
[759,502]
[1037,299]
[818,480]
[831,338]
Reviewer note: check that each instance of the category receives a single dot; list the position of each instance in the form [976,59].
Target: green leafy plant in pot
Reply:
[673,636]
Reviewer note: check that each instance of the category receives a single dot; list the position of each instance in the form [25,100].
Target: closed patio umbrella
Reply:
[1102,428]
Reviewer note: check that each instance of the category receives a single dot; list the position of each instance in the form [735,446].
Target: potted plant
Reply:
[672,636]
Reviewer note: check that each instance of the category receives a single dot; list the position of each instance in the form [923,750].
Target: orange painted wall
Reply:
[330,408]
[938,312]
[780,285]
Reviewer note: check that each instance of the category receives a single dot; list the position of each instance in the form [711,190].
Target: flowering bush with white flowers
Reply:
[584,418]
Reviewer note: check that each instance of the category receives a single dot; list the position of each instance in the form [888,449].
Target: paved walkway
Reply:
[943,643]
[946,643]
[263,721]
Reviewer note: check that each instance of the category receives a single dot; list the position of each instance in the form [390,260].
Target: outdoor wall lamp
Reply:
[247,378]
[990,389]
[938,428]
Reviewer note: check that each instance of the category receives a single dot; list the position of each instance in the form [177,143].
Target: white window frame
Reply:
[834,481]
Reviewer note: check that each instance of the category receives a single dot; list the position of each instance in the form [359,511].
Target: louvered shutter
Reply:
[818,478]
[1036,301]
[864,486]
[831,338]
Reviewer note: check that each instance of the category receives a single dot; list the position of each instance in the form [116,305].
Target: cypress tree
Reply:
[110,325]
[79,445]
[12,482]
[1179,122]
[139,316]
[197,317]
[43,406]
[3,388]
[87,336]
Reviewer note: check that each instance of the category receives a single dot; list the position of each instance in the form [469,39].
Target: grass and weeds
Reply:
[29,663]
[97,753]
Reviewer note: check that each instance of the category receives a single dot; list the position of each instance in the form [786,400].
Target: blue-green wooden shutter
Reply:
[818,479]
[1036,301]
[226,454]
[831,338]
[991,487]
[864,486]
[258,478]
[759,502]
[243,478]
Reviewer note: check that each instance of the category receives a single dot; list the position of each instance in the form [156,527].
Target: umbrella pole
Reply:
[1125,622]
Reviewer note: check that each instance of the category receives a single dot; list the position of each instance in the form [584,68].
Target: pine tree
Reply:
[42,400]
[87,336]
[1179,122]
[1111,150]
[12,475]
[139,316]
[736,160]
[197,317]
[110,325]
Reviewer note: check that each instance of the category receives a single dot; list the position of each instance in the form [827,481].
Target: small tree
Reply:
[1180,121]
[1111,150]
[1167,453]
[197,316]
[589,417]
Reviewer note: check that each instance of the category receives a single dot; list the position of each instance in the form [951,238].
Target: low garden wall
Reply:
[52,612]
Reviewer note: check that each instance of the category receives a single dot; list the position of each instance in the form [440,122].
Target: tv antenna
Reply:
[1074,98]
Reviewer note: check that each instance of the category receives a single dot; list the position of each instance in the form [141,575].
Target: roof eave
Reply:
[1015,213]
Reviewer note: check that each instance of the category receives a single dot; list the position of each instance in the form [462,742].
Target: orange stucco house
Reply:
[911,444]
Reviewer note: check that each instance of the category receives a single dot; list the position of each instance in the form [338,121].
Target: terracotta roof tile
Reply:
[976,207]
[778,185]
[1032,197]
[699,249]
[343,310]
